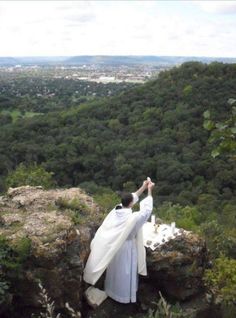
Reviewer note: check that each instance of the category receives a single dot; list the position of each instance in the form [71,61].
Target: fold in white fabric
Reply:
[109,238]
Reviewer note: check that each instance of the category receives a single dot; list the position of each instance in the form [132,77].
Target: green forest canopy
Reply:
[155,129]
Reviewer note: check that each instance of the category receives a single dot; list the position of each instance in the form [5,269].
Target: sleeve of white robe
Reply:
[146,207]
[135,197]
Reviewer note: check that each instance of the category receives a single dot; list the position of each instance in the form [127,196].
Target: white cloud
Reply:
[111,27]
[222,7]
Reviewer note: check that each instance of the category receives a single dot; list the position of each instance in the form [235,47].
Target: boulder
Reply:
[177,266]
[59,246]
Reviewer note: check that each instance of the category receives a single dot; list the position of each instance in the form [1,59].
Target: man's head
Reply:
[127,199]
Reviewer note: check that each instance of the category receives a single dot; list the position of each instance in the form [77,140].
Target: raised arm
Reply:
[137,194]
[150,186]
[142,188]
[146,207]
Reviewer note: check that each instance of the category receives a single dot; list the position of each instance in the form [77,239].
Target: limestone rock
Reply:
[177,266]
[59,248]
[95,296]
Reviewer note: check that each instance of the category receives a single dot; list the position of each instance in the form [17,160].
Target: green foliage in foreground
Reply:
[32,174]
[4,287]
[12,260]
[12,257]
[188,217]
[222,279]
[222,133]
[78,210]
[74,204]
[220,239]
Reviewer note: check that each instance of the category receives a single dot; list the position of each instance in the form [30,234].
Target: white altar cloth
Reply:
[165,232]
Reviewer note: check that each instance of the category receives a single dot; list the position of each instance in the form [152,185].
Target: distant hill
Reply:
[31,60]
[109,60]
[8,61]
[132,59]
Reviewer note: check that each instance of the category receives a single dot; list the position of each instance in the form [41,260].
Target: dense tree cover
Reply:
[39,94]
[32,174]
[155,129]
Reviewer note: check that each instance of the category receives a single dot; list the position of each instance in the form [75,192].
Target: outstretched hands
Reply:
[148,184]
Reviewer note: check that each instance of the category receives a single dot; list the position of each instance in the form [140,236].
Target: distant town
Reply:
[93,73]
[97,68]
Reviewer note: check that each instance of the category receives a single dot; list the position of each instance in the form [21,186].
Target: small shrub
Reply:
[11,261]
[33,174]
[8,256]
[4,286]
[165,310]
[221,280]
[185,217]
[49,308]
[74,204]
[23,248]
[219,241]
[107,200]
[78,210]
[47,304]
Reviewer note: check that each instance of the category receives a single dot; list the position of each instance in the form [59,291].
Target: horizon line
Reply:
[123,55]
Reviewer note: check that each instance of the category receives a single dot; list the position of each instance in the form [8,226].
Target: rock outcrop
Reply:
[59,247]
[178,266]
[60,224]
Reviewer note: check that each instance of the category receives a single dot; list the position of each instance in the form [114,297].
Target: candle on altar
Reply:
[153,219]
[173,227]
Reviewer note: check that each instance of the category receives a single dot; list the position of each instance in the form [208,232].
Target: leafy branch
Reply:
[222,133]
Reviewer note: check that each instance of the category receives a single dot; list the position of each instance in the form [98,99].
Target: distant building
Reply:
[107,79]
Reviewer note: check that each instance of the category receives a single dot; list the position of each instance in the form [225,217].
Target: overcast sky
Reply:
[180,28]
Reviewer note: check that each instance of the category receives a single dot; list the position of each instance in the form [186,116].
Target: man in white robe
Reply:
[118,247]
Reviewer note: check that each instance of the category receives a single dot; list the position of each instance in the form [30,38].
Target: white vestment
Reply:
[113,237]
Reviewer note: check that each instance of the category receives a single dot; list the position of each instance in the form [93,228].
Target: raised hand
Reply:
[151,185]
[145,183]
[150,181]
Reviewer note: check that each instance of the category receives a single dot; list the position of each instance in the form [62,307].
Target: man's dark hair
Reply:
[126,199]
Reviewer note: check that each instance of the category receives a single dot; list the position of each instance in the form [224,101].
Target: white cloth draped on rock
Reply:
[111,235]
